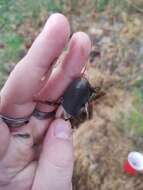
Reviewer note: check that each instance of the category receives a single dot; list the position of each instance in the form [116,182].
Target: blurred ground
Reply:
[116,64]
[102,145]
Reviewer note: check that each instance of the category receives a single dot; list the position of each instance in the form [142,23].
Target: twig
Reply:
[134,6]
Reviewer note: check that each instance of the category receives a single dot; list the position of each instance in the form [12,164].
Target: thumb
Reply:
[56,161]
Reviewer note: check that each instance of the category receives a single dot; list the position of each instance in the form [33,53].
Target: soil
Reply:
[101,148]
[101,151]
[102,143]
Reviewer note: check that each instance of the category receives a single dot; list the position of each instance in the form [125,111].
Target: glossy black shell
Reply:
[76,96]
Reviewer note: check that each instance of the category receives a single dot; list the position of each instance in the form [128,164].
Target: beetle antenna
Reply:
[95,89]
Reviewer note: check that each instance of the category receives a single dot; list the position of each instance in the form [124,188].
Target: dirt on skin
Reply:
[101,148]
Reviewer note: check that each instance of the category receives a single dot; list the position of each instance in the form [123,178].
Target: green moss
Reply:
[101,4]
[136,122]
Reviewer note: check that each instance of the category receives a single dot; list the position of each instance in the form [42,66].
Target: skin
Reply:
[39,155]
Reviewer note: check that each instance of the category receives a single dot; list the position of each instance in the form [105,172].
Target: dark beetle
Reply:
[75,104]
[76,96]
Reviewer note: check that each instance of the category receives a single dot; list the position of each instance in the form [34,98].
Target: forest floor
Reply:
[102,143]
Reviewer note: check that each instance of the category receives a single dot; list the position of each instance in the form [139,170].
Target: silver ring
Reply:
[15,122]
[43,115]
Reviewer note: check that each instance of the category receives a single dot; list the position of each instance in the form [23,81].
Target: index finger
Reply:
[25,80]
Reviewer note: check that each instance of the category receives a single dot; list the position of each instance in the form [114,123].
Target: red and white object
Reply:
[134,164]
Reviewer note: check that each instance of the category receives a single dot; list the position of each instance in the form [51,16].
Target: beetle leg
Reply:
[60,100]
[59,112]
[66,116]
[99,95]
[87,110]
[85,74]
[62,114]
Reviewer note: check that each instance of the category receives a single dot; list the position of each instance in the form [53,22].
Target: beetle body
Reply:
[76,96]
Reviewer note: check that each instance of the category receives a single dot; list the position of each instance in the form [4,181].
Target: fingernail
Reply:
[63,130]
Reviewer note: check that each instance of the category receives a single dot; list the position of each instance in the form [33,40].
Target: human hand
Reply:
[39,155]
